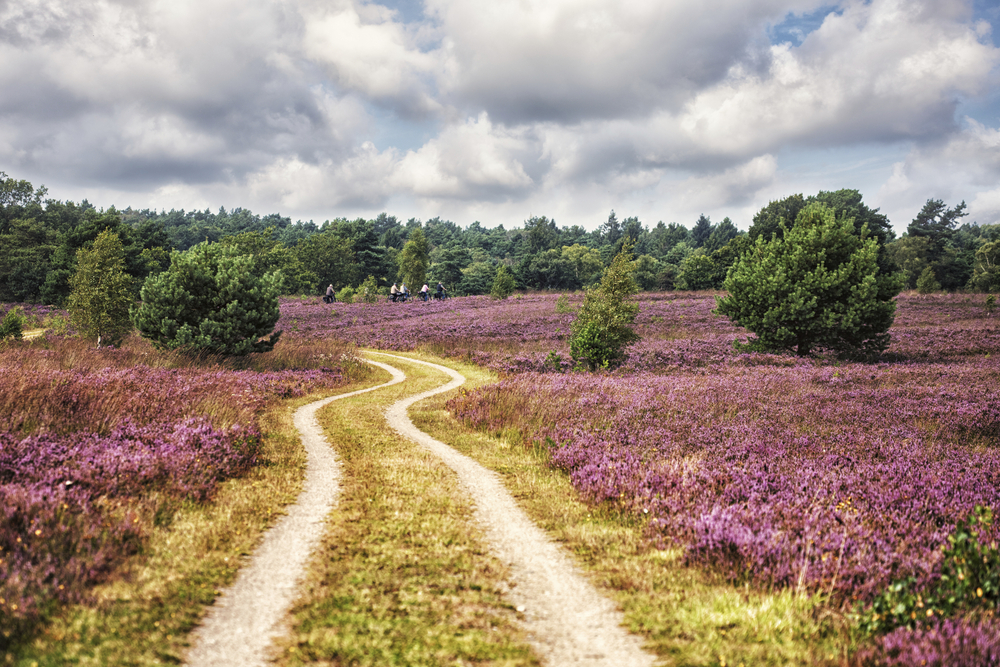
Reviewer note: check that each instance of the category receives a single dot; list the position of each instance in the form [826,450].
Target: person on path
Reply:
[404,291]
[329,298]
[424,292]
[439,294]
[393,293]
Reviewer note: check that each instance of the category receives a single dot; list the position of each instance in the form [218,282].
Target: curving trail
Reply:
[246,618]
[568,621]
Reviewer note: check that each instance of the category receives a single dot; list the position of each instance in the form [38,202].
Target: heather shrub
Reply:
[210,301]
[969,580]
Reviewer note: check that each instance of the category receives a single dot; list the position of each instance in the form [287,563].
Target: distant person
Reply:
[425,292]
[393,293]
[439,294]
[404,291]
[329,298]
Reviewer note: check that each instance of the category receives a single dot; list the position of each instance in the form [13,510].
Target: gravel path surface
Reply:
[247,617]
[568,621]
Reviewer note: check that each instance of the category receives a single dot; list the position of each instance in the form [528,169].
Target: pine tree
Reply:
[210,300]
[603,328]
[503,284]
[815,286]
[101,291]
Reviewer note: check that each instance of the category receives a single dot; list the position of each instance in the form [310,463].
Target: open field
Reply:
[790,492]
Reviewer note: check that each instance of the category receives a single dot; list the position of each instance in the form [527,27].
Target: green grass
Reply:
[688,616]
[144,617]
[402,577]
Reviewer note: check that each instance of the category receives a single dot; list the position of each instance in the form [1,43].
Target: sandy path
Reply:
[568,621]
[247,617]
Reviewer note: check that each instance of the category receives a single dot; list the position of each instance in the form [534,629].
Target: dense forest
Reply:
[40,237]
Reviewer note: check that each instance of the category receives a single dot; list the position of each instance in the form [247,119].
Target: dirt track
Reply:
[568,621]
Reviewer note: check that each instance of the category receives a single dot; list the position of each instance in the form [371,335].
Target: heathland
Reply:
[836,490]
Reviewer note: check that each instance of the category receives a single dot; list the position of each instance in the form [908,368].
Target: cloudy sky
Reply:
[497,111]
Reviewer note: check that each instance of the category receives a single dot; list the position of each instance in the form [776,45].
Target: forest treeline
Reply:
[40,237]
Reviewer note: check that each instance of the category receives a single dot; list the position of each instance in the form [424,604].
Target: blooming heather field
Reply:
[831,477]
[96,445]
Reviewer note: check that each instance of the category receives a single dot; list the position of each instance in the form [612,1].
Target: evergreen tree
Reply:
[816,286]
[503,284]
[101,291]
[702,231]
[210,300]
[603,328]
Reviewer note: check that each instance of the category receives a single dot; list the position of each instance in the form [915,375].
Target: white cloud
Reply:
[365,50]
[472,160]
[965,167]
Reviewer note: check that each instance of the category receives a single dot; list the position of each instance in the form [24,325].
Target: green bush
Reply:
[12,325]
[562,305]
[503,284]
[603,328]
[970,581]
[927,283]
[816,286]
[210,300]
[368,290]
[346,295]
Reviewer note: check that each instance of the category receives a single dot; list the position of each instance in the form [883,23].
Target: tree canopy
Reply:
[817,285]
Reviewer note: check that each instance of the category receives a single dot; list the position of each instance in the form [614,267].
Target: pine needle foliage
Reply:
[816,286]
[503,283]
[603,328]
[213,301]
[101,291]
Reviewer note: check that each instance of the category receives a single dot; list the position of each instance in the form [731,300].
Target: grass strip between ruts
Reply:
[144,617]
[402,576]
[689,616]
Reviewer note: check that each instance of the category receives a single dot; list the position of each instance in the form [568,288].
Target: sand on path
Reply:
[240,627]
[568,621]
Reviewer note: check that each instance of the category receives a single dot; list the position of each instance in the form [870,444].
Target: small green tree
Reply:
[210,300]
[414,259]
[816,285]
[503,284]
[603,328]
[12,325]
[368,290]
[101,292]
[927,282]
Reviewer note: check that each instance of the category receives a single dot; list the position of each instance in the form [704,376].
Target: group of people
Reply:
[396,293]
[402,292]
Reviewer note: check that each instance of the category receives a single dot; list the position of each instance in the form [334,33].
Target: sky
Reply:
[503,110]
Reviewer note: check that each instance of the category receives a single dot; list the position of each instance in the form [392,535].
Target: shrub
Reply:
[604,326]
[101,291]
[562,305]
[12,325]
[927,282]
[346,295]
[210,300]
[503,284]
[816,286]
[368,290]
